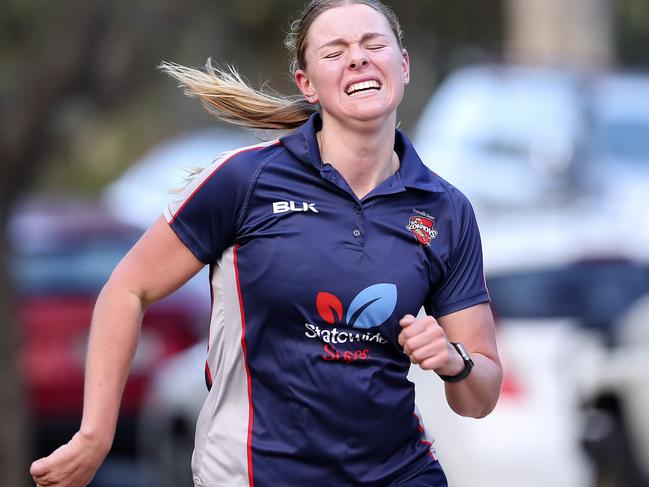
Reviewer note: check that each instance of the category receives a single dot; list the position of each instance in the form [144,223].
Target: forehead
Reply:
[347,22]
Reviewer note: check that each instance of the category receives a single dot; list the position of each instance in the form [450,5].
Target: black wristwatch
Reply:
[468,365]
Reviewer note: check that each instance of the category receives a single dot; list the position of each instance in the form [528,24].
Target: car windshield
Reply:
[82,267]
[506,114]
[595,293]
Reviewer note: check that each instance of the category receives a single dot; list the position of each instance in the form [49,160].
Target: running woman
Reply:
[323,246]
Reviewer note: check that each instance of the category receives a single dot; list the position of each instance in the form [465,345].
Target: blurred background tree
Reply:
[81,99]
[631,18]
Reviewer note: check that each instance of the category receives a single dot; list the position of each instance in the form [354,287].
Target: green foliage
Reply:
[632,32]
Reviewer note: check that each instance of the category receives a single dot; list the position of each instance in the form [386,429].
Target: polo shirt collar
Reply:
[412,172]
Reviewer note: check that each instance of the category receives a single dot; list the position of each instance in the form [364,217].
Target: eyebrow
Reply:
[340,41]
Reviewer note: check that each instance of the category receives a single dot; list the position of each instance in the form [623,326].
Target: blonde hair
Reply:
[229,98]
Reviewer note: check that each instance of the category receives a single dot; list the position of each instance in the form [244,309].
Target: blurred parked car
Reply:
[619,147]
[63,252]
[508,137]
[569,153]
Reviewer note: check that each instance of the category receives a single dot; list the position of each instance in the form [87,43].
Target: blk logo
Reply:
[286,206]
[370,308]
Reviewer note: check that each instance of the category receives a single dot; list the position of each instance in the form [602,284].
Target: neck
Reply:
[364,158]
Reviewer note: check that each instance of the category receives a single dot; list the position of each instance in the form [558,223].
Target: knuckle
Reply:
[421,354]
[431,336]
[427,364]
[437,330]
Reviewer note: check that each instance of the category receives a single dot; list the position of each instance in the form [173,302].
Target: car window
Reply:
[81,267]
[596,293]
[625,139]
[507,113]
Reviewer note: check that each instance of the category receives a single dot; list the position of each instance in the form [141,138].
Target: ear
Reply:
[305,86]
[405,66]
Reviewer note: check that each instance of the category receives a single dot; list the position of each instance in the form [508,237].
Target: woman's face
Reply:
[355,67]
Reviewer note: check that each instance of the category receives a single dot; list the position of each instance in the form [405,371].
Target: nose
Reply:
[357,58]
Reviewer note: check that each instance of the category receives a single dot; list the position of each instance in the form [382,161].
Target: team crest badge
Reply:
[422,227]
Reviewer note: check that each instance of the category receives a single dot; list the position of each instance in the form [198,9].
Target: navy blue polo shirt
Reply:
[307,379]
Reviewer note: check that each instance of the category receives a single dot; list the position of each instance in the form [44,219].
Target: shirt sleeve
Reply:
[464,284]
[206,214]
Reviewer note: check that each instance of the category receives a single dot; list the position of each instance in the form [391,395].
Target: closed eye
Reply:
[375,47]
[332,55]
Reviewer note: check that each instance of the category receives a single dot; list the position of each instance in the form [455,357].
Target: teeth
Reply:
[364,85]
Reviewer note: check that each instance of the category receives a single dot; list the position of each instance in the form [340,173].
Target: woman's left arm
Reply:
[427,342]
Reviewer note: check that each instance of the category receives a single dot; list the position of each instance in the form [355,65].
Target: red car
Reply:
[63,254]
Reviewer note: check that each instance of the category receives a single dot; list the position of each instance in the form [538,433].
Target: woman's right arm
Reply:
[156,266]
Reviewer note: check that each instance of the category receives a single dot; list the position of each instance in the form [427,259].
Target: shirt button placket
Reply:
[357,232]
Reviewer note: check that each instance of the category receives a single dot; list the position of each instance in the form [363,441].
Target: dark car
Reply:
[63,253]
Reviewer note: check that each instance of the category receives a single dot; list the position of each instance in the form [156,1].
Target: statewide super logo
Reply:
[370,308]
[422,227]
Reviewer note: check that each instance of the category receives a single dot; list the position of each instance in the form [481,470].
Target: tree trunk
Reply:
[14,463]
[578,33]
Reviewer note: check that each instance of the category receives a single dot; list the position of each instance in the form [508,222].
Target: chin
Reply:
[378,115]
[370,109]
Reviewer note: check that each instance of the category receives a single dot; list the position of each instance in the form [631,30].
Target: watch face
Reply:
[462,351]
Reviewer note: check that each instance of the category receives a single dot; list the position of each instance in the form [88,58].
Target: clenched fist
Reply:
[427,345]
[72,465]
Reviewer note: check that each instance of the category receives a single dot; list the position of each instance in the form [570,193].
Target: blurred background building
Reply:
[537,109]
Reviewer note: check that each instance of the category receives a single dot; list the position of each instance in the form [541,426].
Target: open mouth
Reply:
[363,87]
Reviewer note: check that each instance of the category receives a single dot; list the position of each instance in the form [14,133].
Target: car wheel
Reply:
[607,443]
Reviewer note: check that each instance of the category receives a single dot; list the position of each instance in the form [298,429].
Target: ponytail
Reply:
[230,99]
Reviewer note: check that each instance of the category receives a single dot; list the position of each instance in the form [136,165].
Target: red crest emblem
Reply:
[422,228]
